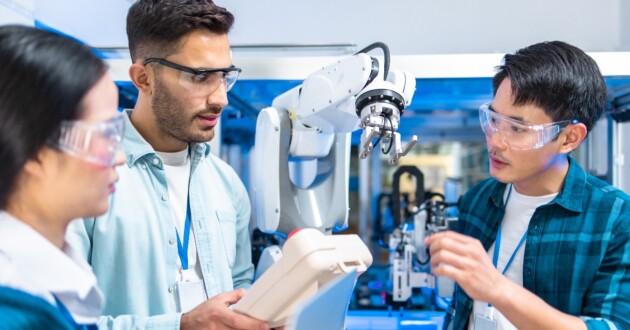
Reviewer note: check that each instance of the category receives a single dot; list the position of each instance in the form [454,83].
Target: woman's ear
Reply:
[142,78]
[34,167]
[39,165]
[574,134]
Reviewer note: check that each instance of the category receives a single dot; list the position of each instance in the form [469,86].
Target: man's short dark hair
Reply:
[557,77]
[155,27]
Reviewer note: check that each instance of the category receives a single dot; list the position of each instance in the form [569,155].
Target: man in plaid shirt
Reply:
[541,244]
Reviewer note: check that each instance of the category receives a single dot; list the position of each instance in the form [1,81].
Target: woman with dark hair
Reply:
[60,135]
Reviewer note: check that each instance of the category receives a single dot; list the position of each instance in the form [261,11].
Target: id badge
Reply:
[190,294]
[483,322]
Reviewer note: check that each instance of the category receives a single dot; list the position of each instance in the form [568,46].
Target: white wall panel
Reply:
[16,12]
[408,26]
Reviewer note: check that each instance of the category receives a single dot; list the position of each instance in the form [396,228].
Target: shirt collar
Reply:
[497,195]
[137,147]
[569,197]
[573,189]
[50,270]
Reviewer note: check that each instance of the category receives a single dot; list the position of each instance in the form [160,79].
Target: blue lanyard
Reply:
[497,244]
[182,249]
[497,247]
[66,314]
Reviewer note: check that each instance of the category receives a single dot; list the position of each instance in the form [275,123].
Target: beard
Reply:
[174,120]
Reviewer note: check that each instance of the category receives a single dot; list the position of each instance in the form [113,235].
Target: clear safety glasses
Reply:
[95,142]
[516,134]
[201,82]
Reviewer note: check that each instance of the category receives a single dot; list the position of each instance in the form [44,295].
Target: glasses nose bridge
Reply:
[119,156]
[222,84]
[115,154]
[497,137]
[218,94]
[215,85]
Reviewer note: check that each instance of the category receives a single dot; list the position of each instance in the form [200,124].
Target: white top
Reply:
[31,263]
[518,212]
[177,170]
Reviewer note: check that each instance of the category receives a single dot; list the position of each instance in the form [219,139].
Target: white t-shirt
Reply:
[31,263]
[518,212]
[177,170]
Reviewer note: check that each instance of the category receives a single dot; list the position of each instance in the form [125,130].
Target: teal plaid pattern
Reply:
[577,254]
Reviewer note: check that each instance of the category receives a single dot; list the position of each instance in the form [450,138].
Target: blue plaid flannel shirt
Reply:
[577,254]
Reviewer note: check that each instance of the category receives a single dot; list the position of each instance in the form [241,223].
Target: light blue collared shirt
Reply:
[133,247]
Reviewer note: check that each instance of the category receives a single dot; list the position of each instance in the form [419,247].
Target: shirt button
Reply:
[170,290]
[144,167]
[535,226]
[156,161]
[529,273]
[171,241]
[164,198]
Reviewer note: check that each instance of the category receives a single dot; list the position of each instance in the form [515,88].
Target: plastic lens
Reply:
[516,134]
[201,82]
[206,83]
[95,142]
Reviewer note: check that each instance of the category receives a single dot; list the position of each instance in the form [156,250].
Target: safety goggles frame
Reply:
[539,134]
[230,75]
[96,142]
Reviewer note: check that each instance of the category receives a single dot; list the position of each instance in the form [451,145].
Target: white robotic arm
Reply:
[303,141]
[301,161]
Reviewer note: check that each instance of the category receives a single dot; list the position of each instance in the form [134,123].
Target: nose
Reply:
[219,96]
[496,140]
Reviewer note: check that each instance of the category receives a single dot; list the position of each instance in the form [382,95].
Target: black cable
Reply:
[423,263]
[378,139]
[389,148]
[385,49]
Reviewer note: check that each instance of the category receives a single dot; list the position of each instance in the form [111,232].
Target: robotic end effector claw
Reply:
[379,107]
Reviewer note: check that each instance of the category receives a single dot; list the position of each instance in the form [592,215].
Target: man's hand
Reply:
[215,314]
[464,260]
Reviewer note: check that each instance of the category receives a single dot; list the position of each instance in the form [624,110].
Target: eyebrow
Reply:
[519,118]
[186,68]
[205,68]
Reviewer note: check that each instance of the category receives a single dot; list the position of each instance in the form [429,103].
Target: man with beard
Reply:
[177,230]
[541,244]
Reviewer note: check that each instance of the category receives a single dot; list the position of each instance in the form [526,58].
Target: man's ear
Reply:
[573,135]
[142,78]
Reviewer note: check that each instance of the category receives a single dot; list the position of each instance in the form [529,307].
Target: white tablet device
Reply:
[327,309]
[310,260]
